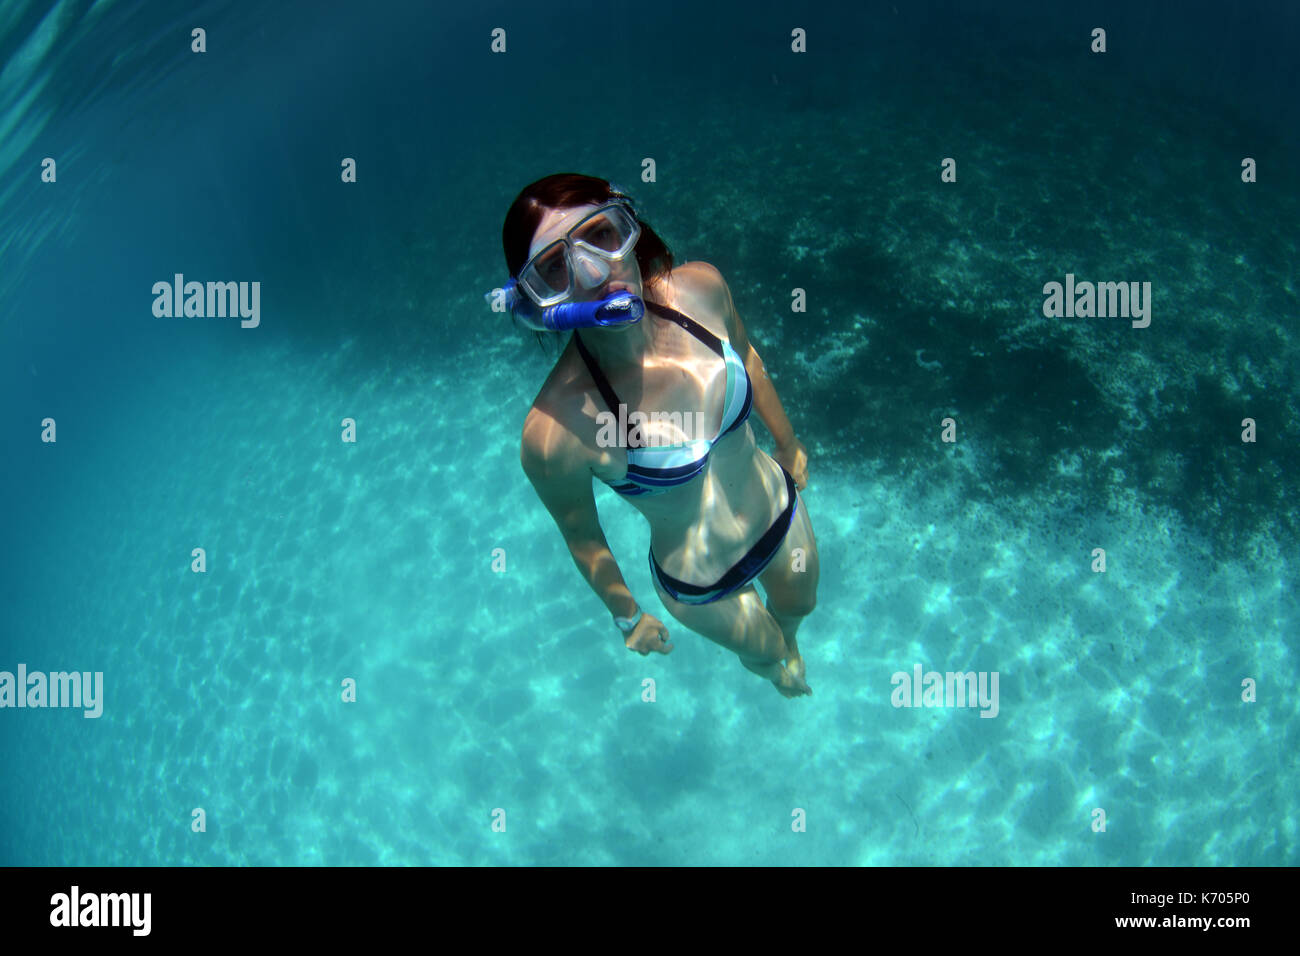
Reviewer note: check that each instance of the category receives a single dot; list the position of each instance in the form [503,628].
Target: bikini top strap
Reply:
[690,325]
[602,383]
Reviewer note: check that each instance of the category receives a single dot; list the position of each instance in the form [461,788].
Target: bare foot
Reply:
[791,683]
[794,664]
[794,661]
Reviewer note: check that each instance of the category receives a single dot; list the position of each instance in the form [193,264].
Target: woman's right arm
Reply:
[554,461]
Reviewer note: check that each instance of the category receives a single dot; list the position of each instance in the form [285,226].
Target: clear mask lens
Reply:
[609,233]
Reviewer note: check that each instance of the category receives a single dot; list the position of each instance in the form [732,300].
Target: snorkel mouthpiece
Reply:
[617,308]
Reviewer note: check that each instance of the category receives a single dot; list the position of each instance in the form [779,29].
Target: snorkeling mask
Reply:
[539,297]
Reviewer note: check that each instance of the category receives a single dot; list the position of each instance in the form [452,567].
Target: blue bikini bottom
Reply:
[744,570]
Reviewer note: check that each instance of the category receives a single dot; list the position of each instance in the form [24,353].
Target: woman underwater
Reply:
[722,513]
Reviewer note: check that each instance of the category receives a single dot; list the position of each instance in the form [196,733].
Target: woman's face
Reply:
[624,274]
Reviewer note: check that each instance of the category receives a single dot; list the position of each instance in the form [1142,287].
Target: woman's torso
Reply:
[702,527]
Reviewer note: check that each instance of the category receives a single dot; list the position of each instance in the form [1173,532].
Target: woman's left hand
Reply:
[793,457]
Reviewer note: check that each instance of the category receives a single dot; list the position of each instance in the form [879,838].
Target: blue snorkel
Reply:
[617,308]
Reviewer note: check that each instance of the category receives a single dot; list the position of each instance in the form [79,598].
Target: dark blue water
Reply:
[327,560]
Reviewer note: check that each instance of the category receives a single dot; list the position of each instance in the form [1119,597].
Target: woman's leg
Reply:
[763,637]
[740,623]
[791,583]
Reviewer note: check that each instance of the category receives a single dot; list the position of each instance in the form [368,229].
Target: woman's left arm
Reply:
[790,452]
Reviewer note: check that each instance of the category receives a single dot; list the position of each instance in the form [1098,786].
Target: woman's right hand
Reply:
[648,635]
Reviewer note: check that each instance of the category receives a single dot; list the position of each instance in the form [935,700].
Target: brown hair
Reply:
[565,191]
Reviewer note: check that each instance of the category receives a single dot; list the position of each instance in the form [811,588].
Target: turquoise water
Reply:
[373,560]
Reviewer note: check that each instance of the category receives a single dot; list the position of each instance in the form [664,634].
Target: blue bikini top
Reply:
[652,470]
